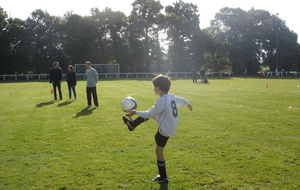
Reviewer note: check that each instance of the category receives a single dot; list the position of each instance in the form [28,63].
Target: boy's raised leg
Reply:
[132,124]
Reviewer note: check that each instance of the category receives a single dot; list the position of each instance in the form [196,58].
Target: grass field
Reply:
[240,136]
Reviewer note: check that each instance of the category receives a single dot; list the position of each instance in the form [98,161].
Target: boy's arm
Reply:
[130,113]
[156,109]
[182,102]
[190,107]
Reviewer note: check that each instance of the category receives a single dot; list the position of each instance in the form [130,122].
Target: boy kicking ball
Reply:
[166,115]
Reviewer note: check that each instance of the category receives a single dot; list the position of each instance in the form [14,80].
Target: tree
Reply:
[182,24]
[80,36]
[287,48]
[237,27]
[15,46]
[251,38]
[4,44]
[236,40]
[19,50]
[216,54]
[114,25]
[146,15]
[45,42]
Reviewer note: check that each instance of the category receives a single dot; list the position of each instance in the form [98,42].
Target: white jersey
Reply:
[165,113]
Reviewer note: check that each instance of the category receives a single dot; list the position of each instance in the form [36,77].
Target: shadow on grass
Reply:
[163,186]
[206,83]
[64,103]
[45,104]
[84,112]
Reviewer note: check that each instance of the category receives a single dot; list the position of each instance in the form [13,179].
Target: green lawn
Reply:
[240,135]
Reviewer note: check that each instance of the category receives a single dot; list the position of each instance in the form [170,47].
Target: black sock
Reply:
[138,121]
[161,165]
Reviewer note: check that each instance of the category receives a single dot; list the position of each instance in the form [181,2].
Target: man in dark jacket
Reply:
[56,78]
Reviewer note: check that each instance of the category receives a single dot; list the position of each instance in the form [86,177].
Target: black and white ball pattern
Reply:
[129,103]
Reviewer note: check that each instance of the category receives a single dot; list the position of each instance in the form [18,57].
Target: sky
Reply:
[288,9]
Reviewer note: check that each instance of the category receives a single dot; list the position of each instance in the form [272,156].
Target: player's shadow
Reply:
[84,112]
[163,186]
[64,103]
[44,104]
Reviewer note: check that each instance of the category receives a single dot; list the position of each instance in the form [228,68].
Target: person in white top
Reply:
[91,83]
[166,114]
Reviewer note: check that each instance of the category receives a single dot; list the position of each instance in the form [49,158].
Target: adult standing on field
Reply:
[72,81]
[56,78]
[202,75]
[194,73]
[92,79]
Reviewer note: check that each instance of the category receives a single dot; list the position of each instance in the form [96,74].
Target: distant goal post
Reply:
[102,69]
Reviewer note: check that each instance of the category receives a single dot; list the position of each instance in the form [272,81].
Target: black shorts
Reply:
[161,140]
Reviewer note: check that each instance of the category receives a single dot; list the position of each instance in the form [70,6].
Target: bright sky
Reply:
[288,10]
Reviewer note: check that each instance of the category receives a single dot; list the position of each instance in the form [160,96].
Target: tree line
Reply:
[151,38]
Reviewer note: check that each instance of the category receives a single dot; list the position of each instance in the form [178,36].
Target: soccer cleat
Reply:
[88,106]
[159,179]
[128,123]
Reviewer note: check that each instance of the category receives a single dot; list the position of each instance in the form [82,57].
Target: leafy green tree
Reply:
[113,24]
[215,52]
[251,38]
[136,44]
[19,50]
[236,39]
[278,47]
[4,44]
[45,41]
[15,46]
[146,15]
[237,27]
[287,48]
[80,39]
[182,24]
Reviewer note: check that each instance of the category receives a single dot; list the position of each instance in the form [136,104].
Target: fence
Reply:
[109,75]
[284,73]
[135,75]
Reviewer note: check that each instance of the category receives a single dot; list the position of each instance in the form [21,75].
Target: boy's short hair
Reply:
[88,62]
[163,82]
[55,63]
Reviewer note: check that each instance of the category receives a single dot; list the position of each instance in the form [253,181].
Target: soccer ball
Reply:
[129,103]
